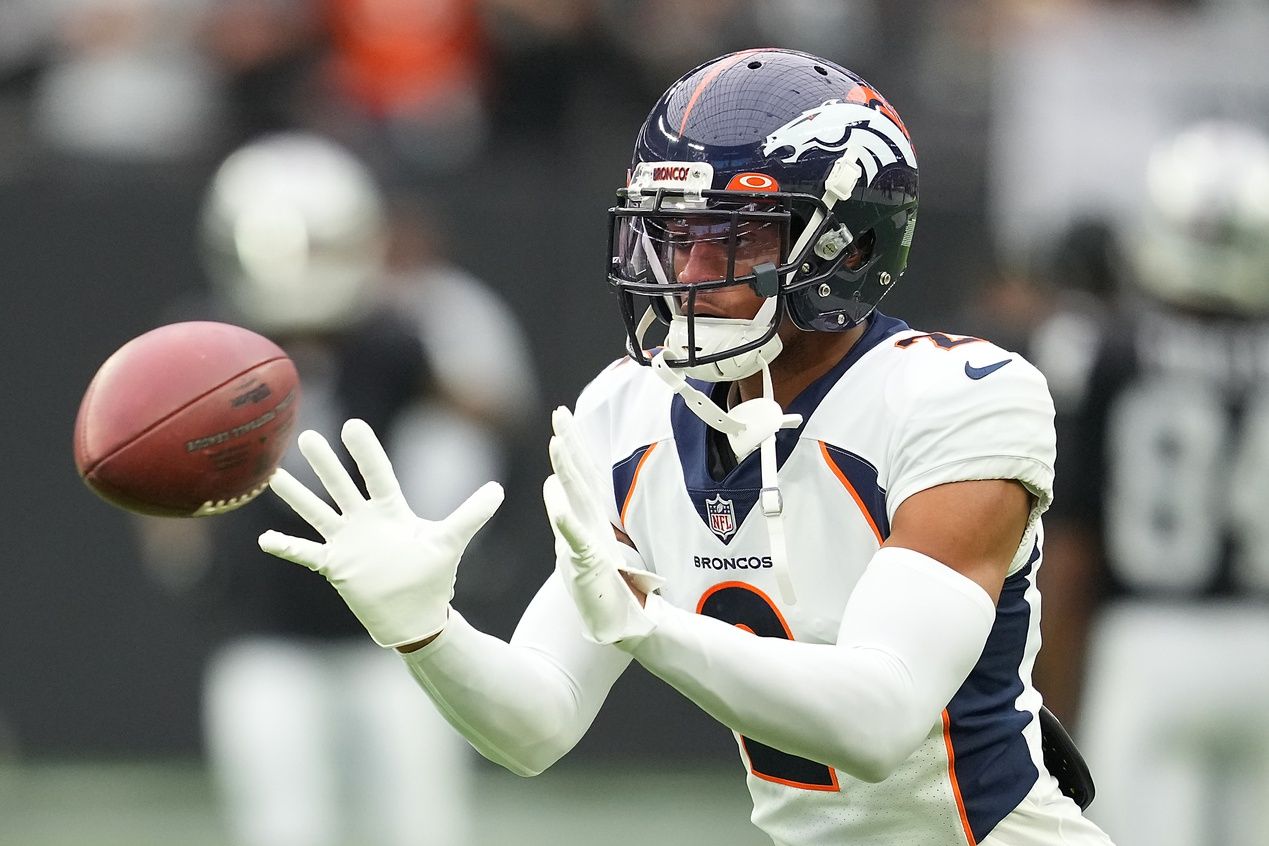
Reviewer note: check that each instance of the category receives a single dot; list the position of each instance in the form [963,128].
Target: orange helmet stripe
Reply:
[868,96]
[704,83]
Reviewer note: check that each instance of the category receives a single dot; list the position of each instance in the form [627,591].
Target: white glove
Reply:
[394,569]
[589,558]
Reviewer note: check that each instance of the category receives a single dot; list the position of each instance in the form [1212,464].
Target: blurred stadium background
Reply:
[512,119]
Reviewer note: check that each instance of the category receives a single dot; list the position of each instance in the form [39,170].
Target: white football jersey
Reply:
[904,411]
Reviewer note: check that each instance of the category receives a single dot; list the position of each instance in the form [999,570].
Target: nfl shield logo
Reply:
[722,516]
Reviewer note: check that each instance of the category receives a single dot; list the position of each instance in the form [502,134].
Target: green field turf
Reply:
[155,803]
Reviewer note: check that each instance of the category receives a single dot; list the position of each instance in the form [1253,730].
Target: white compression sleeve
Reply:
[911,632]
[525,703]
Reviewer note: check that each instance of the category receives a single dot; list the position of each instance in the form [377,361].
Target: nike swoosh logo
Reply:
[986,370]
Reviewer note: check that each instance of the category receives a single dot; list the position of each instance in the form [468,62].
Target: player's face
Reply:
[700,254]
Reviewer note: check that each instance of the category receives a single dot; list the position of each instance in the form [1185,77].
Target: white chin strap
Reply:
[717,334]
[750,425]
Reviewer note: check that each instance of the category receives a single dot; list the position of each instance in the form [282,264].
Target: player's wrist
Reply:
[408,648]
[640,596]
[422,642]
[650,618]
[394,625]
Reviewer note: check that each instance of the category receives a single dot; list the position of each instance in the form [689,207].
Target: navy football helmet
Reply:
[771,147]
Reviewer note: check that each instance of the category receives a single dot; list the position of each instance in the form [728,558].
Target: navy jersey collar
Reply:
[744,481]
[689,428]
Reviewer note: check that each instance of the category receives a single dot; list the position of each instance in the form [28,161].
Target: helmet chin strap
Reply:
[751,425]
[718,334]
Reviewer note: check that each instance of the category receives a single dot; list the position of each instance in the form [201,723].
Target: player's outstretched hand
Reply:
[589,558]
[394,569]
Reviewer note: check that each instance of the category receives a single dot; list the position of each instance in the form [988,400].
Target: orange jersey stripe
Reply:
[824,788]
[951,774]
[704,83]
[828,459]
[634,481]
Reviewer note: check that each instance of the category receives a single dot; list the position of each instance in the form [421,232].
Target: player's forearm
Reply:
[522,704]
[863,705]
[509,703]
[784,694]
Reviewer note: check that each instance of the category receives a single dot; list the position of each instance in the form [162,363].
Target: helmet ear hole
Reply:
[859,251]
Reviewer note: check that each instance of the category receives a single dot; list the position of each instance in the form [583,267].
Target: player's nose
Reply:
[706,261]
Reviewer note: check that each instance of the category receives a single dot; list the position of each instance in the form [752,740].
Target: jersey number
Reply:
[748,608]
[1185,477]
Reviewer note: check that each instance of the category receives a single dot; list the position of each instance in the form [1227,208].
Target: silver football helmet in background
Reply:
[1202,240]
[294,234]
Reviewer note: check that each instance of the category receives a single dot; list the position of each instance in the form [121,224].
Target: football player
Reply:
[818,524]
[1163,511]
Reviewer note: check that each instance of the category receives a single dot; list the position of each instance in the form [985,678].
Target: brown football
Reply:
[187,420]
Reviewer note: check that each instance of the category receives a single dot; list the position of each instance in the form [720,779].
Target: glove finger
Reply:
[562,464]
[583,467]
[300,551]
[570,442]
[304,502]
[465,520]
[561,419]
[564,522]
[581,496]
[556,510]
[372,460]
[327,466]
[564,424]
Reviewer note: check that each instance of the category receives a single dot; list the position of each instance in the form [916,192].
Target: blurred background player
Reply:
[1162,514]
[313,734]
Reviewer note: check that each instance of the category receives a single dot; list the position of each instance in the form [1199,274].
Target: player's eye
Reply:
[759,237]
